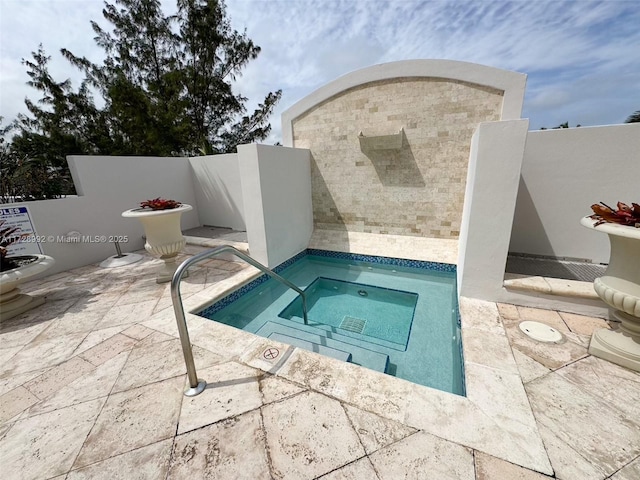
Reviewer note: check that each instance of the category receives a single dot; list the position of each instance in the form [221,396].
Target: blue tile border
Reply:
[398,262]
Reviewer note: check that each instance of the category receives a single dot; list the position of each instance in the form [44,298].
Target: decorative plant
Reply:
[624,215]
[8,236]
[160,204]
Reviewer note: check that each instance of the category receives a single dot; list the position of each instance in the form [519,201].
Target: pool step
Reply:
[312,347]
[344,335]
[314,339]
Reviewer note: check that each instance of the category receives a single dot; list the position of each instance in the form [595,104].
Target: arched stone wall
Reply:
[390,143]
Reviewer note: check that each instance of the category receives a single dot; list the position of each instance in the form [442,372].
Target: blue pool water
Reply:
[396,316]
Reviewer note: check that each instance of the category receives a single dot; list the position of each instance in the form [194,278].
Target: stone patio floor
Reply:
[91,387]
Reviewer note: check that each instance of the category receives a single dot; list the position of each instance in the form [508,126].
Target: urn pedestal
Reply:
[164,236]
[12,302]
[619,288]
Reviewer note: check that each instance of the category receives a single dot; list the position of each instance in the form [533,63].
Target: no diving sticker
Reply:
[271,353]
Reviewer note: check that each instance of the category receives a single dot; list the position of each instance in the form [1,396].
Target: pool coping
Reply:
[495,417]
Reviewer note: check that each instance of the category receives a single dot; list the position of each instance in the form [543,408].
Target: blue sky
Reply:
[582,57]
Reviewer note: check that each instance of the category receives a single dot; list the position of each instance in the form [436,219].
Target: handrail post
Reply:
[197,385]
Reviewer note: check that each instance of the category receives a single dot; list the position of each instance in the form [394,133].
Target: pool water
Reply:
[371,311]
[396,316]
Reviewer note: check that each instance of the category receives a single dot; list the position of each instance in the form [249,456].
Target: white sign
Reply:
[19,217]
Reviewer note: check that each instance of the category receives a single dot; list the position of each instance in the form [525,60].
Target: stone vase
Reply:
[619,288]
[164,236]
[12,301]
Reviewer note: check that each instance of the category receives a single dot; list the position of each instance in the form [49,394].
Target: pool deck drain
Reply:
[540,332]
[353,324]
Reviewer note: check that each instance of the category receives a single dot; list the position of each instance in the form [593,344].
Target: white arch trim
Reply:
[511,83]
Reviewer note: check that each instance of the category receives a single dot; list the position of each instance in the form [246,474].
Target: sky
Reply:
[582,58]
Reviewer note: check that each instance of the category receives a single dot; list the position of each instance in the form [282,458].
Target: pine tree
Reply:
[633,118]
[166,86]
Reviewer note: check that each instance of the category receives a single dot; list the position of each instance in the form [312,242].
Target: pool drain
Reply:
[352,324]
[540,332]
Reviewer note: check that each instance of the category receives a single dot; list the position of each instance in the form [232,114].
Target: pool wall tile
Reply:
[398,262]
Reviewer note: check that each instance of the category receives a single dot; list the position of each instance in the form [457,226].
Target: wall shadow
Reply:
[396,168]
[527,220]
[325,211]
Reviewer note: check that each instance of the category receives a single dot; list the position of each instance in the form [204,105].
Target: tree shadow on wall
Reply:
[395,167]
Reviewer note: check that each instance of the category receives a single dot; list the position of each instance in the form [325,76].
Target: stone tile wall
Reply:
[417,190]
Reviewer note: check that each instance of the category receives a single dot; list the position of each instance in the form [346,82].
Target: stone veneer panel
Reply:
[417,190]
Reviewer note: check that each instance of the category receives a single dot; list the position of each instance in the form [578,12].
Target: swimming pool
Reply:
[396,316]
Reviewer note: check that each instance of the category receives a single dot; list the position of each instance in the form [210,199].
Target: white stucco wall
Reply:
[564,172]
[106,187]
[495,159]
[218,190]
[276,189]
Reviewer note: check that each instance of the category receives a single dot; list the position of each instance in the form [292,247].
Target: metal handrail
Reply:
[196,385]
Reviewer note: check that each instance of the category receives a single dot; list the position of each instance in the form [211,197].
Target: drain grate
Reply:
[353,324]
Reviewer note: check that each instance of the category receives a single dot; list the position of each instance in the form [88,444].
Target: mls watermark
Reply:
[75,237]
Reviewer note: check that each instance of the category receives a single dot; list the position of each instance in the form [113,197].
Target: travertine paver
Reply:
[137,332]
[133,419]
[309,435]
[358,470]
[5,355]
[567,463]
[458,420]
[46,445]
[231,389]
[628,472]
[9,383]
[488,349]
[492,468]
[482,315]
[529,369]
[57,377]
[371,390]
[231,449]
[424,456]
[275,388]
[77,319]
[512,411]
[97,337]
[42,354]
[376,432]
[582,324]
[619,387]
[95,383]
[157,361]
[15,402]
[17,336]
[127,313]
[108,349]
[149,462]
[584,422]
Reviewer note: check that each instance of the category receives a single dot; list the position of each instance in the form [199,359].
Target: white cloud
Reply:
[582,57]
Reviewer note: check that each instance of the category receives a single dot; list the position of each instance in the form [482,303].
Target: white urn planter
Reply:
[12,302]
[619,288]
[164,236]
